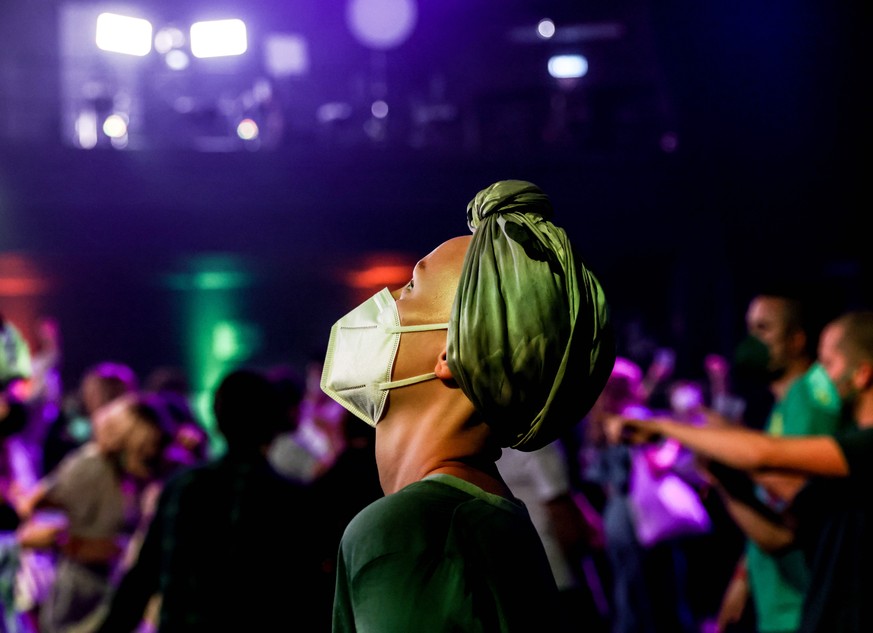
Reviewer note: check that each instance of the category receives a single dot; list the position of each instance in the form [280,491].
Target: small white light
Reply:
[176,60]
[379,109]
[218,38]
[169,38]
[546,28]
[115,126]
[568,66]
[247,130]
[286,55]
[123,34]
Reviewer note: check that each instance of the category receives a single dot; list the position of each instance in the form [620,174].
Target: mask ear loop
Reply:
[392,384]
[406,381]
[399,329]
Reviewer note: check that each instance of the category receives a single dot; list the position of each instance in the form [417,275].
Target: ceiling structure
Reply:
[706,143]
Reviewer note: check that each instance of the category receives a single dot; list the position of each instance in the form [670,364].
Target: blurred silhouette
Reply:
[100,384]
[289,453]
[96,487]
[45,395]
[231,545]
[648,591]
[541,480]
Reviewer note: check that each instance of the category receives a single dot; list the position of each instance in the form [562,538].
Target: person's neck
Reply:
[480,471]
[448,441]
[793,371]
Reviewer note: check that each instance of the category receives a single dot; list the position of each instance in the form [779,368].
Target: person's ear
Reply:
[798,341]
[864,375]
[442,370]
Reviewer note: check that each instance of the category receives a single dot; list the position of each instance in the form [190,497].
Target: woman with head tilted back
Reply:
[500,340]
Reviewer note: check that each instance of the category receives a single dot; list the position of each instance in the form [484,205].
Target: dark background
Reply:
[713,148]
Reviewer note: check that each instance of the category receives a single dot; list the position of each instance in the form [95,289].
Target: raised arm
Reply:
[743,448]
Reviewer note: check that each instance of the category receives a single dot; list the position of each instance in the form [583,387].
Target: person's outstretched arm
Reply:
[743,448]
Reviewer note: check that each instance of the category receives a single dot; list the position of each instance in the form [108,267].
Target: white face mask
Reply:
[360,356]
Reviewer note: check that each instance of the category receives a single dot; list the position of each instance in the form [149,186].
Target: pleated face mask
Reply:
[360,356]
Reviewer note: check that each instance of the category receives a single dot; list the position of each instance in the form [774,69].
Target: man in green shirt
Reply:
[804,403]
[829,515]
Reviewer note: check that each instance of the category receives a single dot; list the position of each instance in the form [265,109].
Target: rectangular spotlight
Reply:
[123,34]
[218,38]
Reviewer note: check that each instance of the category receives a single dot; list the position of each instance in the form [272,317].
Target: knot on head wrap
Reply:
[530,340]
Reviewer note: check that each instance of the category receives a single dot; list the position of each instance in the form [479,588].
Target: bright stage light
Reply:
[218,38]
[123,34]
[568,66]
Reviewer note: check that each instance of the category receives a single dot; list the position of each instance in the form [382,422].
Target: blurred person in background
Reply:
[779,350]
[100,384]
[96,488]
[45,396]
[232,545]
[820,479]
[16,468]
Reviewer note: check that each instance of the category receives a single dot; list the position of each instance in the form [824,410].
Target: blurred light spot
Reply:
[333,111]
[379,276]
[219,280]
[115,126]
[568,66]
[232,340]
[381,24]
[123,34]
[20,277]
[285,55]
[379,109]
[169,38]
[262,91]
[86,129]
[183,105]
[546,28]
[218,38]
[121,142]
[669,142]
[247,130]
[177,60]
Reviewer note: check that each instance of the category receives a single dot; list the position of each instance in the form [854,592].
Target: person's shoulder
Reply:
[86,458]
[421,502]
[814,387]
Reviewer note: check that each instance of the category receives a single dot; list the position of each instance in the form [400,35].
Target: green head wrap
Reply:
[529,340]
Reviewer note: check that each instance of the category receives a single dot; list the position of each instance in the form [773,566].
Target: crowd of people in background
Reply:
[84,467]
[111,493]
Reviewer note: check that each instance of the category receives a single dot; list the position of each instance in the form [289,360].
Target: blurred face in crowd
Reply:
[767,320]
[851,373]
[142,446]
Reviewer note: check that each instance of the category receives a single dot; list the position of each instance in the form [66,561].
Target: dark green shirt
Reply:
[442,555]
